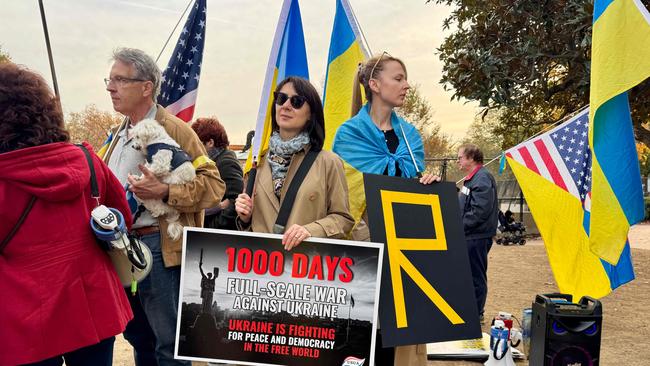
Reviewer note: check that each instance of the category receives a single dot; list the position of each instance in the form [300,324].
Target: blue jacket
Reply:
[479,205]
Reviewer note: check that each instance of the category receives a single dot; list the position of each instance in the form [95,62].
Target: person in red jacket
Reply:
[61,297]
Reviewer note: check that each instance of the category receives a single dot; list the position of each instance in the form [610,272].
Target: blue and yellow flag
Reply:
[102,150]
[288,58]
[620,59]
[554,173]
[346,52]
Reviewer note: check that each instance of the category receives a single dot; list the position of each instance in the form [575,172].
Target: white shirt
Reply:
[125,160]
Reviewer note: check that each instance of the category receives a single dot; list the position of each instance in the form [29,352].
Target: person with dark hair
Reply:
[378,141]
[133,84]
[213,135]
[479,207]
[321,207]
[62,299]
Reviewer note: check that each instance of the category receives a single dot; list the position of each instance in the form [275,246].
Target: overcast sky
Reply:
[239,34]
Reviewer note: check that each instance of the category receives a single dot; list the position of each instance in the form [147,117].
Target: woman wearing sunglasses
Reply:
[377,141]
[321,207]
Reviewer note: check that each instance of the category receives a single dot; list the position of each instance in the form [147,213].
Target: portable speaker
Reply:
[564,333]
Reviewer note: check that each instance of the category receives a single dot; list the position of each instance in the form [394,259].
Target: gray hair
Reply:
[145,66]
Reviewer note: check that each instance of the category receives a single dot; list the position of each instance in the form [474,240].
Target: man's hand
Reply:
[147,186]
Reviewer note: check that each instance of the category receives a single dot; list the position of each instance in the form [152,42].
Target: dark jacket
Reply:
[479,205]
[232,174]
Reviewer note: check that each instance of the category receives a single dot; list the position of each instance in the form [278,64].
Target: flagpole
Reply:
[356,24]
[174,30]
[566,118]
[347,334]
[49,50]
[544,130]
[268,81]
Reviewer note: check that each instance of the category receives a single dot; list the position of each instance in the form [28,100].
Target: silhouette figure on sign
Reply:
[207,286]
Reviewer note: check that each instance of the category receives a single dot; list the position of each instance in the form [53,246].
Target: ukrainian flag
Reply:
[102,150]
[347,50]
[553,171]
[620,60]
[288,58]
[564,225]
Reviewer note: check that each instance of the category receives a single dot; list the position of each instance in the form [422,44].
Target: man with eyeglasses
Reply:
[479,208]
[133,85]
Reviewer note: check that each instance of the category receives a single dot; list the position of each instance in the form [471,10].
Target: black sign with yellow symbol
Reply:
[427,294]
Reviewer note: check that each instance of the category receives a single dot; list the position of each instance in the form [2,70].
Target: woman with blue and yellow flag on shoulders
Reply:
[377,141]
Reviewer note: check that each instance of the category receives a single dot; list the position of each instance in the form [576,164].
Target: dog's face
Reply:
[146,132]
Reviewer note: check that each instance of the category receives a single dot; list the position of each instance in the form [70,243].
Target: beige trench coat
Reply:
[321,204]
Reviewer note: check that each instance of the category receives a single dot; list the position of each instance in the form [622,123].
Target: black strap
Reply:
[290,197]
[22,218]
[252,174]
[137,213]
[94,190]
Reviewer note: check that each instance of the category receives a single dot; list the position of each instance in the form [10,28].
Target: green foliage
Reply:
[480,133]
[418,111]
[4,57]
[528,59]
[643,152]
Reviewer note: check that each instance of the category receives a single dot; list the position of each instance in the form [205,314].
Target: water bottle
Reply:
[526,321]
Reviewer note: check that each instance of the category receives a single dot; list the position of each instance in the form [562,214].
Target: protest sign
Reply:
[427,293]
[246,300]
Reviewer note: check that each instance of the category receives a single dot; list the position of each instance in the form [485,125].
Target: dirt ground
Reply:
[517,273]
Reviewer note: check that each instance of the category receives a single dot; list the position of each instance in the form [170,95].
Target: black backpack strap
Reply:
[290,197]
[22,218]
[94,189]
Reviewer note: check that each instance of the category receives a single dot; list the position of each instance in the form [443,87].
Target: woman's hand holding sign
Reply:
[294,235]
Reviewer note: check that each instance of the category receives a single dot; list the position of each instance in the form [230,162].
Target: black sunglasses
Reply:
[297,101]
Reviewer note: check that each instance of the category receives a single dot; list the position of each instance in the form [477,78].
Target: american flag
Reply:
[561,155]
[180,80]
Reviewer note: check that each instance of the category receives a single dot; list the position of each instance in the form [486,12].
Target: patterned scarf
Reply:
[280,154]
[214,152]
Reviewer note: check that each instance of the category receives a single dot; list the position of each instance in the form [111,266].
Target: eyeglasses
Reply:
[372,71]
[297,101]
[120,80]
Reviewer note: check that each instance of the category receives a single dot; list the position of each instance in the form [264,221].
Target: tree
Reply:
[528,59]
[417,111]
[91,125]
[480,133]
[4,57]
[644,158]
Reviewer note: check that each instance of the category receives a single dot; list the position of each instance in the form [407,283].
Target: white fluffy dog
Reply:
[163,154]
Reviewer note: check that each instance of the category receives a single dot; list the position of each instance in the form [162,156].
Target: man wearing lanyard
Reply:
[479,208]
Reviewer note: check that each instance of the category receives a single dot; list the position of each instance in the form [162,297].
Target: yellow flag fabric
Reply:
[620,60]
[346,52]
[559,218]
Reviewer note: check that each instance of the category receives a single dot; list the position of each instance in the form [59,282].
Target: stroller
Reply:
[510,231]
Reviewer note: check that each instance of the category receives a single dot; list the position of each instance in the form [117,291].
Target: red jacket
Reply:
[58,289]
